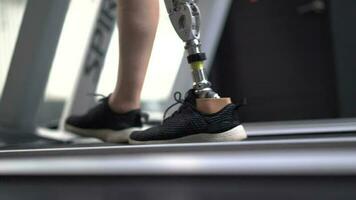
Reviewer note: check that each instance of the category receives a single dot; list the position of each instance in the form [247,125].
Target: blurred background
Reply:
[293,60]
[290,59]
[72,47]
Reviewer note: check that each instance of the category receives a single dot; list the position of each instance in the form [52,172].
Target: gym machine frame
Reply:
[39,35]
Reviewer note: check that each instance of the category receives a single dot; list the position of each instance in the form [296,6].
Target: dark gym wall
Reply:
[280,60]
[343,16]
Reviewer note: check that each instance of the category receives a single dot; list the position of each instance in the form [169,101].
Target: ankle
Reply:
[212,105]
[120,106]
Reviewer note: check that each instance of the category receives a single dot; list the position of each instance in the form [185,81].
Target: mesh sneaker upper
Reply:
[188,121]
[102,117]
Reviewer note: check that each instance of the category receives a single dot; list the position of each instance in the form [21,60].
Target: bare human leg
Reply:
[137,20]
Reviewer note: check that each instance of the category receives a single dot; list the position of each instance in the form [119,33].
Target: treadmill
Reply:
[300,159]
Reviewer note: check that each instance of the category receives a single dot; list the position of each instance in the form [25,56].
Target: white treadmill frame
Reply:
[35,50]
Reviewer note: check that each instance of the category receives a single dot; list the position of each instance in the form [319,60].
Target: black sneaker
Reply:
[101,122]
[189,125]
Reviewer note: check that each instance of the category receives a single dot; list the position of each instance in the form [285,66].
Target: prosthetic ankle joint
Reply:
[185,17]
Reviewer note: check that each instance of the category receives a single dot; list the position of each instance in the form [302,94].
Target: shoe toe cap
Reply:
[146,135]
[73,121]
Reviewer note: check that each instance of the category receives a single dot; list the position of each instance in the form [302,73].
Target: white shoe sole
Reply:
[106,135]
[235,134]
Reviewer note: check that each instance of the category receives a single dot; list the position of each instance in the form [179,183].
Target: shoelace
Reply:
[98,95]
[179,100]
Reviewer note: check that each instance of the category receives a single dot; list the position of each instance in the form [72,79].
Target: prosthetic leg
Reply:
[185,18]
